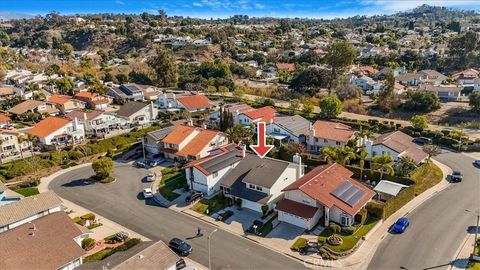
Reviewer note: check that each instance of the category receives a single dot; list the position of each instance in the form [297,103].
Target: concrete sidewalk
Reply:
[460,261]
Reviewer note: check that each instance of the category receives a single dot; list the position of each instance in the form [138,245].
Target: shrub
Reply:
[361,216]
[88,243]
[88,216]
[299,244]
[349,230]
[265,208]
[375,209]
[334,227]
[78,220]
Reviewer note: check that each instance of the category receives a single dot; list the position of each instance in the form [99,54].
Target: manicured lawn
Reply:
[94,226]
[473,265]
[171,181]
[299,244]
[27,191]
[349,241]
[102,254]
[426,176]
[213,205]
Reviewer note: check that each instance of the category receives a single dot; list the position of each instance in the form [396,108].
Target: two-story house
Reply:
[58,131]
[326,193]
[204,175]
[327,133]
[138,113]
[264,114]
[153,140]
[98,123]
[10,143]
[396,144]
[444,93]
[66,103]
[188,142]
[257,182]
[466,77]
[93,100]
[189,103]
[289,128]
[4,120]
[133,91]
[234,109]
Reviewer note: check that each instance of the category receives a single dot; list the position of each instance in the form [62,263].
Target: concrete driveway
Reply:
[242,219]
[286,231]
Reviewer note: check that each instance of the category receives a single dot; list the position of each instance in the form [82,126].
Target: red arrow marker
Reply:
[261,149]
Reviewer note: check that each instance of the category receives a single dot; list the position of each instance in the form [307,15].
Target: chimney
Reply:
[204,126]
[190,122]
[297,159]
[244,150]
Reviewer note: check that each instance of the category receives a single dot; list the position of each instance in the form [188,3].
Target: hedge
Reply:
[88,216]
[375,176]
[397,202]
[375,209]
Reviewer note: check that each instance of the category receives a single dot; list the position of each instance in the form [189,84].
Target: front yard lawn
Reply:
[349,241]
[29,191]
[170,182]
[102,254]
[214,204]
[426,176]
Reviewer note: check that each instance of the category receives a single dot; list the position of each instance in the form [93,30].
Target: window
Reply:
[337,143]
[276,130]
[316,139]
[345,220]
[251,186]
[325,140]
[215,174]
[259,188]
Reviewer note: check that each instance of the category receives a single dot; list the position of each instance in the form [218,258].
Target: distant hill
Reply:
[7,16]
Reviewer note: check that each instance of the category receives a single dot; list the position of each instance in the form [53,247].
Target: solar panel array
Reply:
[348,193]
[217,163]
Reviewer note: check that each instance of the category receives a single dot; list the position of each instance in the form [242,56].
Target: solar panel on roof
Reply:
[348,193]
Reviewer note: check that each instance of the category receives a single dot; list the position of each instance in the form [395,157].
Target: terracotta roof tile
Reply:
[198,143]
[286,66]
[59,99]
[320,182]
[25,106]
[194,102]
[178,134]
[4,118]
[48,126]
[333,131]
[265,114]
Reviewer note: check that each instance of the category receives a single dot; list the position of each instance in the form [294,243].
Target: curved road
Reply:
[438,227]
[123,203]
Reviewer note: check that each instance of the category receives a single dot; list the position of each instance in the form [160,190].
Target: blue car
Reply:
[401,225]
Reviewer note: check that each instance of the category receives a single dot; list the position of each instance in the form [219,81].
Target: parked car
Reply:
[139,164]
[193,197]
[401,225]
[422,140]
[155,162]
[147,193]
[151,177]
[457,176]
[180,247]
[477,163]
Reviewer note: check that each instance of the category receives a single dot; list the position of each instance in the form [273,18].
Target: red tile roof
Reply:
[178,134]
[286,66]
[333,131]
[86,94]
[264,114]
[4,118]
[198,143]
[368,69]
[48,125]
[296,208]
[320,182]
[194,102]
[59,99]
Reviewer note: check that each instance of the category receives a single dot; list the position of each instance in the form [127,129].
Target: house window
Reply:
[325,140]
[316,139]
[337,143]
[251,186]
[276,130]
[306,201]
[215,174]
[345,220]
[259,188]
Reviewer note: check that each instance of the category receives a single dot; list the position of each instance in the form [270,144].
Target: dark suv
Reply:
[457,176]
[193,197]
[180,247]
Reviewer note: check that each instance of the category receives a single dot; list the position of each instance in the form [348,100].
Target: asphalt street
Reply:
[123,202]
[438,227]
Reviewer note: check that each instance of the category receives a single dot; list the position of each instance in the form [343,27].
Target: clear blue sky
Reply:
[225,8]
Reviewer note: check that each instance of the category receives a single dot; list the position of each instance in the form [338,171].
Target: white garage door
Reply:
[252,205]
[294,220]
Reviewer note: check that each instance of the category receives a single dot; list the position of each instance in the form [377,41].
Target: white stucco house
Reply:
[58,131]
[396,144]
[327,133]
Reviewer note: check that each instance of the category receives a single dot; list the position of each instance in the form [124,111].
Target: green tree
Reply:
[474,101]
[405,166]
[163,63]
[341,155]
[65,85]
[66,51]
[421,101]
[361,156]
[419,122]
[330,107]
[294,105]
[386,97]
[102,167]
[310,80]
[288,150]
[307,109]
[240,134]
[226,120]
[340,55]
[383,164]
[238,93]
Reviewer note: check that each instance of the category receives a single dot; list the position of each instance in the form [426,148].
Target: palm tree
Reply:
[362,155]
[383,164]
[340,155]
[21,139]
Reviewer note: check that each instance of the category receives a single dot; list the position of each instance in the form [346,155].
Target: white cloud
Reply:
[389,6]
[259,6]
[119,2]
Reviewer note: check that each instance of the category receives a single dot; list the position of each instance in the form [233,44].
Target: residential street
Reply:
[123,202]
[438,227]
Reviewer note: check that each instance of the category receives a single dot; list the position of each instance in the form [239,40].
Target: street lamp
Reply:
[209,258]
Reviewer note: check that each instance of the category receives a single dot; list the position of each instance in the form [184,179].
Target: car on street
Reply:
[151,177]
[456,176]
[401,225]
[477,163]
[180,247]
[139,164]
[193,197]
[422,140]
[147,193]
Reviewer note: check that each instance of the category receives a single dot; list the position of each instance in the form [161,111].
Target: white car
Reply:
[147,193]
[151,177]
